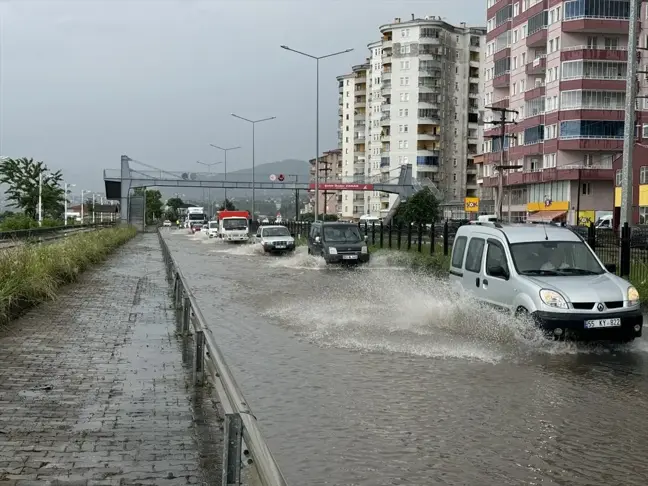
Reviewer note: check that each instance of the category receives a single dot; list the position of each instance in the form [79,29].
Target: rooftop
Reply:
[524,232]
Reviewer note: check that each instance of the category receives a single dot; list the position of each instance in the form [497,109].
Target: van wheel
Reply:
[521,313]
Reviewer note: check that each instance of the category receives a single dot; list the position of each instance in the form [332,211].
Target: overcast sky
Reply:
[85,81]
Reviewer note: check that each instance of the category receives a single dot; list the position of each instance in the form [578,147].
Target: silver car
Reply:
[548,273]
[275,239]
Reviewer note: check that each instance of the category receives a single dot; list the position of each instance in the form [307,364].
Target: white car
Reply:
[275,239]
[212,230]
[167,223]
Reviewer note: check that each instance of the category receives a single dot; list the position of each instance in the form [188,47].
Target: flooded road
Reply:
[376,376]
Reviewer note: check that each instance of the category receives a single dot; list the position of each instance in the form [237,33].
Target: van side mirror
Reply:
[292,235]
[317,239]
[499,271]
[611,267]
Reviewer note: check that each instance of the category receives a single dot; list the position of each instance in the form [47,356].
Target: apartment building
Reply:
[352,138]
[330,169]
[562,67]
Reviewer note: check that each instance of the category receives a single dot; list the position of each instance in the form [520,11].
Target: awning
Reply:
[545,216]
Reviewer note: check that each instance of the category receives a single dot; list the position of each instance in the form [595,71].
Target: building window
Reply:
[643,214]
[608,9]
[643,174]
[617,178]
[604,129]
[586,189]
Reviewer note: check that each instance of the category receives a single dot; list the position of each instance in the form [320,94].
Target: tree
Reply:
[153,202]
[227,205]
[22,176]
[421,208]
[174,203]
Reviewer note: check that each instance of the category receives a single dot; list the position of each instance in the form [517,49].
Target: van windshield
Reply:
[213,224]
[554,258]
[235,223]
[346,234]
[279,231]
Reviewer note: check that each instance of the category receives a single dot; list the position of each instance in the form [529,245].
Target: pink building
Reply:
[562,66]
[330,167]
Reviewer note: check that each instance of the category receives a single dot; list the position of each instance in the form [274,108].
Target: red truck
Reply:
[234,226]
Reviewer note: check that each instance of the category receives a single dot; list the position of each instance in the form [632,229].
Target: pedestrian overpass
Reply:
[120,183]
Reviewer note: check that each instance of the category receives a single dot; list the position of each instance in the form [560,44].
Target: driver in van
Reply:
[555,260]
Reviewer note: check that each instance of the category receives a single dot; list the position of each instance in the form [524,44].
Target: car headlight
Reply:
[332,251]
[553,299]
[633,296]
[364,249]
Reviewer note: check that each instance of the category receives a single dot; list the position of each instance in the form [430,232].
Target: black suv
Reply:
[338,242]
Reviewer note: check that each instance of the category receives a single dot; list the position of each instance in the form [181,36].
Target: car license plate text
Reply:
[349,257]
[280,246]
[598,323]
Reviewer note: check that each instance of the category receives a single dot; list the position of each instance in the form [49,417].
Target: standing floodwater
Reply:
[376,376]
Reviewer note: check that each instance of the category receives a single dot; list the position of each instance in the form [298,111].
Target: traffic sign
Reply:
[342,186]
[281,177]
[471,204]
[273,177]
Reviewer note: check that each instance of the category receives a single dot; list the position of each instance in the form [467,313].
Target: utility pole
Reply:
[40,199]
[502,122]
[296,180]
[629,122]
[325,167]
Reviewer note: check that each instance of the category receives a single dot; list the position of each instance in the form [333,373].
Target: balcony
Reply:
[360,101]
[386,75]
[360,123]
[551,175]
[427,153]
[501,103]
[384,162]
[428,135]
[583,52]
[385,120]
[536,67]
[360,91]
[429,88]
[538,38]
[502,81]
[585,143]
[599,25]
[473,94]
[531,94]
[384,138]
[385,89]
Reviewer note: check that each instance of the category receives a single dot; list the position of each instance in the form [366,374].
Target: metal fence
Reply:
[11,239]
[243,443]
[627,248]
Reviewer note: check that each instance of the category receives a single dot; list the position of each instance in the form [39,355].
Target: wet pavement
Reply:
[94,388]
[378,376]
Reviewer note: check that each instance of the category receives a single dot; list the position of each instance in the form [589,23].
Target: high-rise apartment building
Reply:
[562,66]
[418,101]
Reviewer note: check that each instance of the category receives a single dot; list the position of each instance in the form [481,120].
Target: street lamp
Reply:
[253,122]
[225,150]
[209,166]
[65,210]
[317,60]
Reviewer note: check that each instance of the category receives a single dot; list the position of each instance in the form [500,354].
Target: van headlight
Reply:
[332,251]
[633,296]
[364,249]
[553,299]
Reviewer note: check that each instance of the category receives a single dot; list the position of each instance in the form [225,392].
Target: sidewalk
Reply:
[93,389]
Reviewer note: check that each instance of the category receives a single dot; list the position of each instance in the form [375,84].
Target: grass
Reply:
[31,274]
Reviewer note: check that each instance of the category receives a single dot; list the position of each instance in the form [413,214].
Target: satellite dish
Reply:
[185,176]
[192,176]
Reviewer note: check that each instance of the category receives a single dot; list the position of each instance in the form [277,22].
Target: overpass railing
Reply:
[243,442]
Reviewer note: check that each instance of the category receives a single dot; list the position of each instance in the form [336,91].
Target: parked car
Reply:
[549,274]
[275,239]
[166,223]
[338,242]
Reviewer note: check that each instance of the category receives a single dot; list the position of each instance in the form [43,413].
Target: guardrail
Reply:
[36,232]
[243,442]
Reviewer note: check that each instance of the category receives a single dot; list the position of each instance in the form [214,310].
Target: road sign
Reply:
[343,186]
[281,177]
[273,177]
[471,204]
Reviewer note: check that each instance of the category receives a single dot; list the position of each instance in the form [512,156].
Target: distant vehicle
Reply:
[167,223]
[233,226]
[338,242]
[275,239]
[212,230]
[549,274]
[204,229]
[196,216]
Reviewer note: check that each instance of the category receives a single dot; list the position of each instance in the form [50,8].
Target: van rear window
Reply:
[458,250]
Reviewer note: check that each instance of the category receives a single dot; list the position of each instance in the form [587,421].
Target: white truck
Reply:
[196,217]
[233,226]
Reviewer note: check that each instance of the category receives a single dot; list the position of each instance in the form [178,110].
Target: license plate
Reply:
[349,257]
[280,246]
[598,323]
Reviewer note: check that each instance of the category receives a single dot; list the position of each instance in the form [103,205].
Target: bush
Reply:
[17,222]
[32,274]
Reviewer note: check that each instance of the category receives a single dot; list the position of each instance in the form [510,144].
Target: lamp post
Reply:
[225,150]
[83,192]
[253,123]
[40,199]
[65,202]
[209,166]
[317,60]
